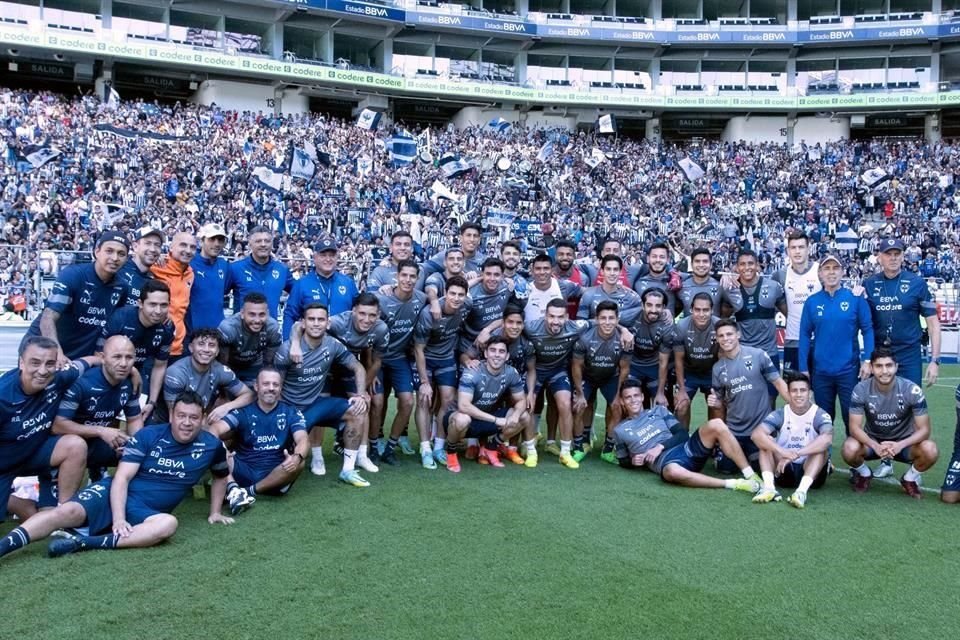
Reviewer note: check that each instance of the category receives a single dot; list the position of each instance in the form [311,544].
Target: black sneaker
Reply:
[389,457]
[372,454]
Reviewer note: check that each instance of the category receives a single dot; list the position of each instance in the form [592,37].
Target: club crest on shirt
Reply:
[844,306]
[713,291]
[196,454]
[342,290]
[764,291]
[810,287]
[276,274]
[748,362]
[281,422]
[114,298]
[904,287]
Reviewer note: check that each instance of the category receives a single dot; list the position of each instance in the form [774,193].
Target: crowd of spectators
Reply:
[179,166]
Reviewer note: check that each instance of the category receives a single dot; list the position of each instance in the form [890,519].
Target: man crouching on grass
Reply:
[159,466]
[655,439]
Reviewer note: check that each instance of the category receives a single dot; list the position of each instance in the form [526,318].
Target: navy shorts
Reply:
[649,376]
[903,456]
[609,389]
[793,472]
[442,372]
[692,455]
[750,451]
[951,481]
[478,428]
[396,375]
[694,383]
[37,464]
[95,500]
[245,475]
[325,412]
[553,381]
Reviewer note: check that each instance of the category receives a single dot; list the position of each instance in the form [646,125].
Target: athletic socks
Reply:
[530,446]
[863,470]
[316,452]
[730,483]
[350,459]
[252,489]
[231,486]
[748,473]
[374,444]
[451,447]
[578,443]
[805,483]
[14,540]
[588,432]
[362,452]
[565,447]
[425,448]
[439,444]
[912,475]
[608,444]
[392,444]
[767,480]
[473,442]
[107,541]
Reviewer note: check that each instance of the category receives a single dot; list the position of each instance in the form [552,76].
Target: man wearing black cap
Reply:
[82,299]
[326,285]
[897,300]
[830,325]
[147,244]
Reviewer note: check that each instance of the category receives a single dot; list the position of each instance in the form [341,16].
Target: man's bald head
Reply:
[119,356]
[183,247]
[114,343]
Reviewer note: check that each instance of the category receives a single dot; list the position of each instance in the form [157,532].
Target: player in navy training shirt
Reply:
[268,437]
[159,467]
[29,396]
[82,299]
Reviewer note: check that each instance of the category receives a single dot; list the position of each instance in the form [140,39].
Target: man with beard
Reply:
[95,405]
[145,253]
[699,281]
[652,344]
[212,275]
[325,285]
[516,279]
[260,272]
[544,288]
[657,275]
[249,339]
[434,345]
[151,333]
[83,298]
[567,271]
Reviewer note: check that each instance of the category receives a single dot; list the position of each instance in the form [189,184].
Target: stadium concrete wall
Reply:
[470,116]
[812,129]
[756,129]
[241,96]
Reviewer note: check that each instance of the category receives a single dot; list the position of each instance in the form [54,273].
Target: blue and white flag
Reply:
[268,179]
[38,155]
[545,151]
[369,119]
[513,182]
[364,165]
[847,238]
[607,124]
[110,97]
[499,125]
[691,169]
[402,149]
[439,191]
[453,166]
[875,177]
[302,165]
[595,158]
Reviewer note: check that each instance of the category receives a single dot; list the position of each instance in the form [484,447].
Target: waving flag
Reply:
[545,151]
[369,119]
[847,238]
[39,155]
[453,166]
[402,149]
[499,125]
[595,158]
[607,124]
[268,179]
[691,169]
[875,177]
[302,165]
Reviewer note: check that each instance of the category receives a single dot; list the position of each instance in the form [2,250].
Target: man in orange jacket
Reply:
[176,272]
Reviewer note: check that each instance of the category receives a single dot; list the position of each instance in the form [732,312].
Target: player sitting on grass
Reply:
[655,439]
[159,467]
[793,443]
[889,420]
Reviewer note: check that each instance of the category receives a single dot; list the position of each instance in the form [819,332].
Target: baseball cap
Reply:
[830,258]
[211,230]
[326,243]
[889,244]
[143,232]
[113,236]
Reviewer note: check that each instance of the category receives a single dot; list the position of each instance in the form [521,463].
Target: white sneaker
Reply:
[317,466]
[365,464]
[884,469]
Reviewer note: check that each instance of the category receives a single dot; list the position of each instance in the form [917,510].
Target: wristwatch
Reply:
[936,361]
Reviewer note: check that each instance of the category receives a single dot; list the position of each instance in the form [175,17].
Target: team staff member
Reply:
[212,276]
[145,253]
[325,285]
[176,272]
[889,419]
[260,272]
[831,323]
[82,300]
[799,281]
[898,299]
[158,469]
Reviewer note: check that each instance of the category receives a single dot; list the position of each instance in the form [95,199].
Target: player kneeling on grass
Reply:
[655,439]
[889,420]
[262,435]
[159,467]
[793,443]
[491,403]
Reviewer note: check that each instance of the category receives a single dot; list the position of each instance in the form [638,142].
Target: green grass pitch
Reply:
[519,553]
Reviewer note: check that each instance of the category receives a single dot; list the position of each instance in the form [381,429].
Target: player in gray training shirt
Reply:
[699,280]
[694,354]
[761,299]
[657,276]
[362,332]
[435,284]
[385,274]
[249,339]
[600,363]
[202,374]
[889,419]
[739,383]
[306,361]
[434,341]
[794,442]
[627,300]
[491,404]
[522,355]
[486,303]
[655,439]
[652,345]
[400,310]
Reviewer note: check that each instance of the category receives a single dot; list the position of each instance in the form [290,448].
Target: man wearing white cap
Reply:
[211,279]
